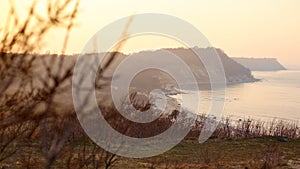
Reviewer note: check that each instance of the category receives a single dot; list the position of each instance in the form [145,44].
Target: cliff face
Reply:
[260,64]
[235,72]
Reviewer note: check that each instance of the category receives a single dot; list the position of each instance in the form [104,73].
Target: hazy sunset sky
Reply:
[269,28]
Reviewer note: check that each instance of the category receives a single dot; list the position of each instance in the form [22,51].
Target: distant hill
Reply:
[260,64]
[234,72]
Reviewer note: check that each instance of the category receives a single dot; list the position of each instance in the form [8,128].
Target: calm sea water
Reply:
[276,96]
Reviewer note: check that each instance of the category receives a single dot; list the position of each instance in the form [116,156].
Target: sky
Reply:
[255,28]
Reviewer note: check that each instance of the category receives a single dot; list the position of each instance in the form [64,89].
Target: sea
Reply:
[276,96]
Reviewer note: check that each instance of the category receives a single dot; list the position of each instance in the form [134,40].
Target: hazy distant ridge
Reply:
[260,64]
